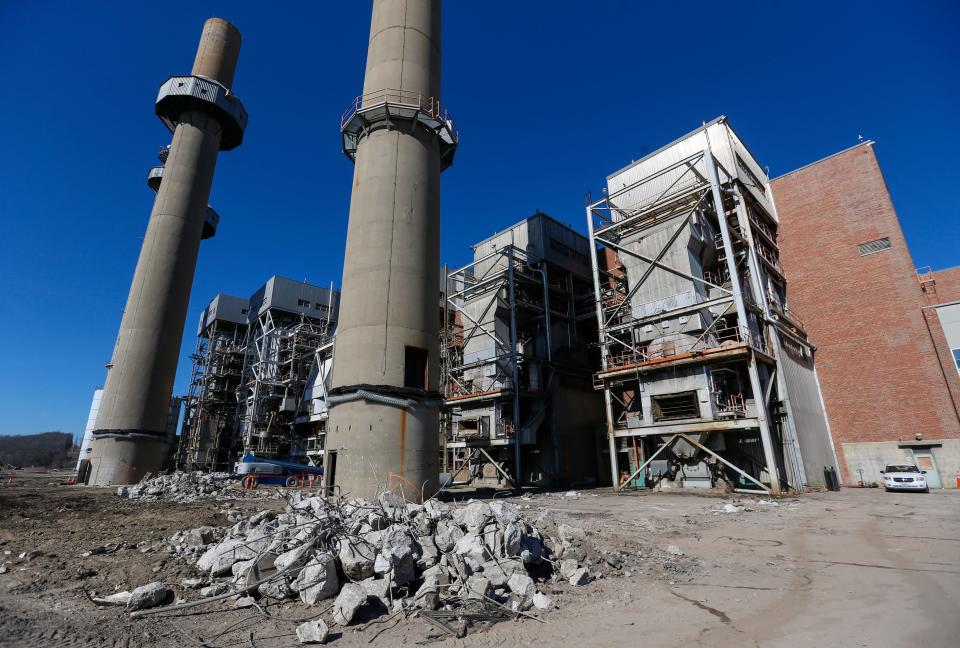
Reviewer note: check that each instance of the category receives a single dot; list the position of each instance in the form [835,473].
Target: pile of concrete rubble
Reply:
[190,487]
[407,558]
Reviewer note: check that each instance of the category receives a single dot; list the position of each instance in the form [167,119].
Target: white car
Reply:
[904,477]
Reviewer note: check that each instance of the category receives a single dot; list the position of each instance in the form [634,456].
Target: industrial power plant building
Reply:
[711,329]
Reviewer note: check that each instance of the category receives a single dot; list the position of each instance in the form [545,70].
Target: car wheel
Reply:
[926,490]
[886,489]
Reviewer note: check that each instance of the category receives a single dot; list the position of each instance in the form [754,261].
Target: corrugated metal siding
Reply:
[806,408]
[727,149]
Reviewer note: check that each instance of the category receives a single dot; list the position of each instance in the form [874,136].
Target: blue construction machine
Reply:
[256,470]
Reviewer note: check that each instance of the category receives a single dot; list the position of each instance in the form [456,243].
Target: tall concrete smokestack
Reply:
[383,427]
[130,436]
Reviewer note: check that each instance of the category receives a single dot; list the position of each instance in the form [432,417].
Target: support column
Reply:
[130,437]
[758,398]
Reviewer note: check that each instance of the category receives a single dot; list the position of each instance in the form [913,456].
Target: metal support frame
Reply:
[281,351]
[683,187]
[758,400]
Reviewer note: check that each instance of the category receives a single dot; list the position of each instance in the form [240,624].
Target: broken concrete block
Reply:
[674,550]
[148,596]
[429,554]
[500,572]
[447,536]
[435,510]
[216,589]
[356,558]
[581,577]
[351,598]
[505,512]
[571,534]
[313,632]
[244,602]
[730,508]
[295,557]
[542,601]
[473,516]
[512,540]
[473,550]
[277,588]
[318,580]
[378,588]
[200,536]
[426,598]
[120,598]
[568,567]
[478,586]
[522,585]
[220,558]
[192,583]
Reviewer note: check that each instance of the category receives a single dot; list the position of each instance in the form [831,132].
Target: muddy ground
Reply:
[854,568]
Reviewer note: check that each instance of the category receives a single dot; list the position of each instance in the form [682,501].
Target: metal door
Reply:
[926,463]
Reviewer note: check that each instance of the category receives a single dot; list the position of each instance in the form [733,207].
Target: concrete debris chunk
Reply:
[447,536]
[568,567]
[522,585]
[403,557]
[214,590]
[318,580]
[356,558]
[219,559]
[244,602]
[190,487]
[542,601]
[296,557]
[378,588]
[351,598]
[148,596]
[478,586]
[120,598]
[473,516]
[580,577]
[571,535]
[313,632]
[730,508]
[674,550]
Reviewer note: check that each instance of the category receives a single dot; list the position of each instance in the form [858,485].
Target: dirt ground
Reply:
[854,568]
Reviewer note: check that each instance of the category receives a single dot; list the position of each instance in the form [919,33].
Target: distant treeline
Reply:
[46,450]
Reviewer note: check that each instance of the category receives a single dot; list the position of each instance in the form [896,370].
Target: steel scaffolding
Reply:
[692,317]
[208,433]
[511,328]
[281,354]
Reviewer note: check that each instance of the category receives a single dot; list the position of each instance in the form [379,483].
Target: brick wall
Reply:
[879,369]
[948,285]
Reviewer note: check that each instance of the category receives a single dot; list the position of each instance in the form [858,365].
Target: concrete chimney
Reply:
[130,437]
[383,431]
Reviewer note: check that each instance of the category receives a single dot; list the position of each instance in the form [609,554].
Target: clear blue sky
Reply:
[549,96]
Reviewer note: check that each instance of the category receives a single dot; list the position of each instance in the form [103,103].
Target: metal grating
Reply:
[878,245]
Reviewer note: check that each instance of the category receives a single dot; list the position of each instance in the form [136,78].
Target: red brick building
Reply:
[885,367]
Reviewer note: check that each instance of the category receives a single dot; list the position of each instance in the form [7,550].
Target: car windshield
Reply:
[901,468]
